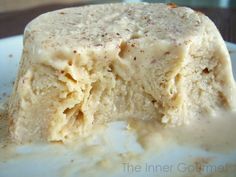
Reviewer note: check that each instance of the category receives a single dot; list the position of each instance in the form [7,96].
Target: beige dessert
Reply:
[96,64]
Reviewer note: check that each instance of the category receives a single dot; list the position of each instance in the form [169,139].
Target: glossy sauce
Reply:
[211,134]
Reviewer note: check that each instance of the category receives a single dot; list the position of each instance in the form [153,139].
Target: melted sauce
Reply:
[209,133]
[99,155]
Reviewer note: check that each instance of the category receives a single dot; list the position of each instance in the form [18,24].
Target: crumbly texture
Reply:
[100,63]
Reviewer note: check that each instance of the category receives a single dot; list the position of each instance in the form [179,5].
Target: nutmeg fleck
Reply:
[98,45]
[172,5]
[154,101]
[206,71]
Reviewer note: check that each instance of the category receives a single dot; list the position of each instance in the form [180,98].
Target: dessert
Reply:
[96,64]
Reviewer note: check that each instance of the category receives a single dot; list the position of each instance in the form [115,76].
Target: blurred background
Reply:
[15,14]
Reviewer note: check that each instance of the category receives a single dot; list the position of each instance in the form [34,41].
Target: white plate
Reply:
[58,160]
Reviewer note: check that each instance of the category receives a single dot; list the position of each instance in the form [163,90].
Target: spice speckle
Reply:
[172,5]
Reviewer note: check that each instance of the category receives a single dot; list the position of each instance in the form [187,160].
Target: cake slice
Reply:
[96,64]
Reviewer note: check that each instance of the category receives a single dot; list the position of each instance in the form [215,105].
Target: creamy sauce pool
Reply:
[213,134]
[210,133]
